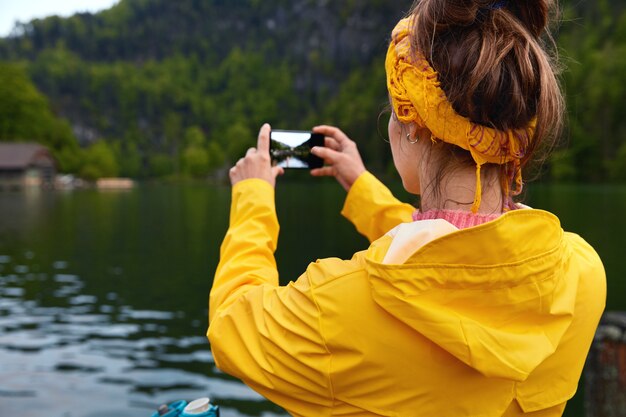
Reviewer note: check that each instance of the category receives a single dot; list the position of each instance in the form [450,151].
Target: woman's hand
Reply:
[341,156]
[257,162]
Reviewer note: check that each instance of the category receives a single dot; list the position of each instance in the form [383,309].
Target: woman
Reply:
[471,306]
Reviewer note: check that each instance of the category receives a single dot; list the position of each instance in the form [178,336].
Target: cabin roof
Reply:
[15,156]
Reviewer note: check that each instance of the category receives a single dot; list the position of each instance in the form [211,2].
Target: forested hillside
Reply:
[157,88]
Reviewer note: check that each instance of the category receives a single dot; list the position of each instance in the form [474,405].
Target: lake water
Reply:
[103,295]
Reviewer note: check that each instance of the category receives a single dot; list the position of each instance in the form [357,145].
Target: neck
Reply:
[457,190]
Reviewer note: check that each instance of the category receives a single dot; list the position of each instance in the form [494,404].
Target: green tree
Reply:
[237,139]
[617,167]
[195,157]
[357,107]
[194,137]
[216,155]
[160,165]
[196,161]
[173,133]
[595,85]
[129,158]
[99,161]
[25,116]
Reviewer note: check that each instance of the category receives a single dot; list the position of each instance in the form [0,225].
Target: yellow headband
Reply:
[417,97]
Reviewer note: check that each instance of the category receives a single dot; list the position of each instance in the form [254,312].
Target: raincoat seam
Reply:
[415,266]
[448,285]
[332,278]
[559,399]
[469,351]
[330,356]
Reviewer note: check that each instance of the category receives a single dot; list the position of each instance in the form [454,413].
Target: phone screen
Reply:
[292,149]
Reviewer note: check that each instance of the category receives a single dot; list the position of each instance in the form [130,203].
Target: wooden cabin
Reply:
[25,165]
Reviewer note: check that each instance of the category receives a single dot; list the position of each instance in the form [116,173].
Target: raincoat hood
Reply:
[498,303]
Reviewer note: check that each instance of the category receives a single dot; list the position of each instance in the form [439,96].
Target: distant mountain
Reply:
[146,70]
[138,30]
[169,87]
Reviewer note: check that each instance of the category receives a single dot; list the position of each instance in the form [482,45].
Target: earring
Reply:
[412,142]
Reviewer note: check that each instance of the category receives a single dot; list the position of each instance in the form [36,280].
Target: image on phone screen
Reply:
[292,149]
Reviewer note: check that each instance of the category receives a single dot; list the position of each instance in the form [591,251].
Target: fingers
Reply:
[263,142]
[323,172]
[331,143]
[327,154]
[332,132]
[276,171]
[233,175]
[256,163]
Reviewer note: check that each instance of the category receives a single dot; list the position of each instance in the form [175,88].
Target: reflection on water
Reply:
[81,356]
[103,295]
[86,331]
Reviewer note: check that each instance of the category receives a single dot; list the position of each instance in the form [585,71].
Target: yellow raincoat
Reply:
[494,320]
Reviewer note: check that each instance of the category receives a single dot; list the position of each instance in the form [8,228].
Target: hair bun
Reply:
[450,13]
[534,14]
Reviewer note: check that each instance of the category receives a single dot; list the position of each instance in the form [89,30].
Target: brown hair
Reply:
[495,63]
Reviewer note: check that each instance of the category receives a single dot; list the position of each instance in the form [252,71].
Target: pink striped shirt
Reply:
[459,218]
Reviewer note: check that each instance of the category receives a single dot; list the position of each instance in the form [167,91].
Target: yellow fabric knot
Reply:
[417,97]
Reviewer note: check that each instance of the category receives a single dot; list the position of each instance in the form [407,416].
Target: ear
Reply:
[419,132]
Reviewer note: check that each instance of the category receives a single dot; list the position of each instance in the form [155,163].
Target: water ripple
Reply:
[60,344]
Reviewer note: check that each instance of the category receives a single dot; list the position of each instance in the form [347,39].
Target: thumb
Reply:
[276,171]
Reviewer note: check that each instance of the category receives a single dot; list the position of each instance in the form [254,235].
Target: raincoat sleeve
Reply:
[265,334]
[372,208]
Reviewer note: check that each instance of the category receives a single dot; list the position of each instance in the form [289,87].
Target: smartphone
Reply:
[292,149]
